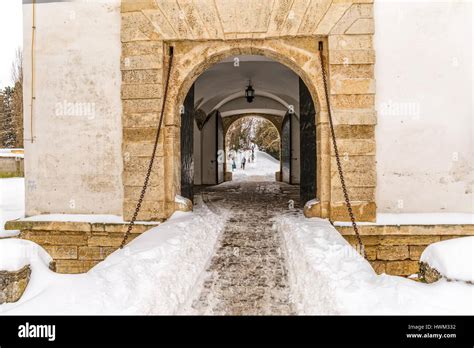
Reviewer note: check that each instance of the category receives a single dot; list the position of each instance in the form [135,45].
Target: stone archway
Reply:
[191,59]
[201,36]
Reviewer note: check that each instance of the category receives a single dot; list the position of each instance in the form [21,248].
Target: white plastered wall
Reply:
[425,153]
[74,164]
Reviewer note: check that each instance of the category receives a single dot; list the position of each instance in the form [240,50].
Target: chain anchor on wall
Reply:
[338,159]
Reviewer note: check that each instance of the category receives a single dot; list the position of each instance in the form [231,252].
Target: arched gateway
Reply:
[279,95]
[198,45]
[187,68]
[191,59]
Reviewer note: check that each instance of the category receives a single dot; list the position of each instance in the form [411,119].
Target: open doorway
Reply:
[253,150]
[233,90]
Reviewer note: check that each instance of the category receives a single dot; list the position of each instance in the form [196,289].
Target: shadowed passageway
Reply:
[248,273]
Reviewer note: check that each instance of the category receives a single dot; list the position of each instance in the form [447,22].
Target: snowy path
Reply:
[262,169]
[248,273]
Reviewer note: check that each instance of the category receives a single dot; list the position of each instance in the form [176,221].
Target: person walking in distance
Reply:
[243,162]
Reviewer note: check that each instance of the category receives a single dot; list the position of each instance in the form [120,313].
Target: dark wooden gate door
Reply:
[308,145]
[187,144]
[220,155]
[286,149]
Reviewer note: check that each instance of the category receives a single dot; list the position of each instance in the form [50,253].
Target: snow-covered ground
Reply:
[400,219]
[155,274]
[12,202]
[90,218]
[327,276]
[262,169]
[17,153]
[453,258]
[159,272]
[17,253]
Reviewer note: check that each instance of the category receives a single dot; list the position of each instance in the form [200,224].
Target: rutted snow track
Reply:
[248,273]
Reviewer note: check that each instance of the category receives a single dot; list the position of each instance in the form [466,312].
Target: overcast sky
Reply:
[11,37]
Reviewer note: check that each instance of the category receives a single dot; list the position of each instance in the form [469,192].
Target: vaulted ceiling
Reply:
[223,87]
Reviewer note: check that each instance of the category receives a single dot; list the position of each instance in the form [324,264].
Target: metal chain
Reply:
[338,159]
[152,160]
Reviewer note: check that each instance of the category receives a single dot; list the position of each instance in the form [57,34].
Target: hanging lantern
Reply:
[250,93]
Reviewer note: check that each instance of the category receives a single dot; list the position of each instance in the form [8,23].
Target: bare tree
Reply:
[17,67]
[254,130]
[17,97]
[7,123]
[267,138]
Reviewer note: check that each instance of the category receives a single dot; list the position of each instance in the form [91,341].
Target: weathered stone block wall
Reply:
[13,284]
[76,247]
[396,250]
[204,32]
[11,166]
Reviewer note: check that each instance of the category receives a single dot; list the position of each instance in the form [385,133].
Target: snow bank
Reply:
[327,276]
[12,203]
[17,253]
[89,218]
[17,153]
[400,219]
[181,200]
[310,203]
[425,219]
[154,274]
[321,265]
[453,258]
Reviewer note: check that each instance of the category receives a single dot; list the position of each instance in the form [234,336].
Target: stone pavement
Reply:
[248,273]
